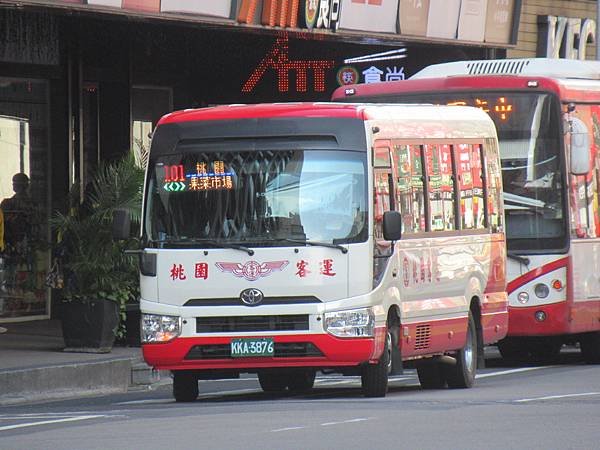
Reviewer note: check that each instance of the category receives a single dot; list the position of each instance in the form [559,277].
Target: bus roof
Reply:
[571,80]
[322,109]
[542,67]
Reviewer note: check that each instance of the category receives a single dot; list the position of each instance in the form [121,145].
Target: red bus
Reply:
[547,114]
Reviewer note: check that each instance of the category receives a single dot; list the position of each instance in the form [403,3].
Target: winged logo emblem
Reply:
[251,270]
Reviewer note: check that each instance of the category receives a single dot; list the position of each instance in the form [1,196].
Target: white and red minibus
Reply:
[547,113]
[286,239]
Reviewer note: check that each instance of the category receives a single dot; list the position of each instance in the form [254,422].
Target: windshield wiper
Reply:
[216,243]
[313,243]
[521,259]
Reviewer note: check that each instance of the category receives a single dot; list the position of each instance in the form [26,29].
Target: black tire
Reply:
[431,375]
[374,377]
[185,387]
[513,349]
[301,380]
[590,347]
[273,381]
[462,374]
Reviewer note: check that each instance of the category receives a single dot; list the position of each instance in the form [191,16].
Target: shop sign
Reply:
[277,60]
[565,37]
[375,75]
[499,21]
[413,17]
[369,15]
[347,75]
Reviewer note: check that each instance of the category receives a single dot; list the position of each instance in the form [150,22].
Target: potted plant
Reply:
[99,278]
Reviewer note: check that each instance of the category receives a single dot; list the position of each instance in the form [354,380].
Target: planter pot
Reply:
[132,325]
[90,326]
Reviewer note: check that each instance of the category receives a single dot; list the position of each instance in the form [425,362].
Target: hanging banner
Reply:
[443,18]
[471,22]
[112,3]
[369,15]
[217,8]
[413,17]
[142,5]
[499,21]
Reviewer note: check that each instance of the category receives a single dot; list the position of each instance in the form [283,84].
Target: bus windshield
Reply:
[259,198]
[530,147]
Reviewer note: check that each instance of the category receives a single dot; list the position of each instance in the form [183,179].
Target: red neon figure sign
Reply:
[278,59]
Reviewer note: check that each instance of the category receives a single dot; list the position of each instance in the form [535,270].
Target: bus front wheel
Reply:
[374,377]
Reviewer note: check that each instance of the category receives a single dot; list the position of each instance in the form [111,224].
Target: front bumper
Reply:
[522,320]
[184,353]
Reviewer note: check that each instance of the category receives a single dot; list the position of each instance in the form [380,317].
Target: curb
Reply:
[58,382]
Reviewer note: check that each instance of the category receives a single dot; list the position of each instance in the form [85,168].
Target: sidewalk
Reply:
[33,367]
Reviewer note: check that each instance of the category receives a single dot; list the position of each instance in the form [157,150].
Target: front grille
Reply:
[281,350]
[238,324]
[422,337]
[235,301]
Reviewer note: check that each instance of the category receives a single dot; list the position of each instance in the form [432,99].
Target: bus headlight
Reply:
[351,323]
[156,328]
[523,297]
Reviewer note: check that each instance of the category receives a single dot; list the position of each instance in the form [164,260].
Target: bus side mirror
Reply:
[121,224]
[392,226]
[580,147]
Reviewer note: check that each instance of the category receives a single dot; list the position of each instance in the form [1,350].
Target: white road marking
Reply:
[552,397]
[508,372]
[287,429]
[360,419]
[147,402]
[47,422]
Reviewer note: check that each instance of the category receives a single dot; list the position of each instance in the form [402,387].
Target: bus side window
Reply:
[494,186]
[462,154]
[441,187]
[478,183]
[409,188]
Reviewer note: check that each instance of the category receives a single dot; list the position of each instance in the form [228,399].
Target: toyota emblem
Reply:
[251,297]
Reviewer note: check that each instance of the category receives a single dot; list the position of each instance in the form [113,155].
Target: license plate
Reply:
[249,347]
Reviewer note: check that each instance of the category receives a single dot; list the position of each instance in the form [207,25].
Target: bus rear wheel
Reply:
[462,374]
[185,387]
[590,347]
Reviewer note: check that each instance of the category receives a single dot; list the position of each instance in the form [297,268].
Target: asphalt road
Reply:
[510,407]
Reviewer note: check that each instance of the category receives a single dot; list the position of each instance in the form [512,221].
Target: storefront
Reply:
[557,30]
[82,82]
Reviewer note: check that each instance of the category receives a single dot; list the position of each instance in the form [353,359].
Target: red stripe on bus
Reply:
[536,273]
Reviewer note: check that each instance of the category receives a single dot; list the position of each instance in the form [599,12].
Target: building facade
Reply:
[556,29]
[85,81]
